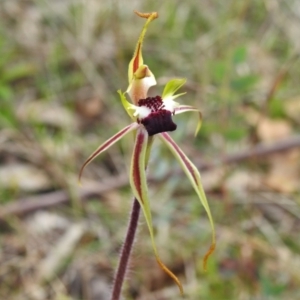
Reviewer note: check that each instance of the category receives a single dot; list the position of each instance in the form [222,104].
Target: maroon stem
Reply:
[126,251]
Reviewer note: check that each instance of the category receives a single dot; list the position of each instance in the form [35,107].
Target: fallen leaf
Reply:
[43,222]
[46,113]
[269,130]
[211,179]
[242,181]
[61,251]
[284,173]
[89,108]
[292,109]
[23,177]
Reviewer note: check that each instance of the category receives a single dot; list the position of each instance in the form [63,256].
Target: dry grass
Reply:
[61,63]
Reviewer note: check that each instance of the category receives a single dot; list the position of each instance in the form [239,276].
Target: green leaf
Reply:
[18,71]
[235,133]
[276,108]
[6,92]
[239,55]
[271,288]
[244,83]
[219,71]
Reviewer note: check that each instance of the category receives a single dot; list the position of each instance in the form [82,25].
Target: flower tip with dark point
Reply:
[171,274]
[153,15]
[80,174]
[208,254]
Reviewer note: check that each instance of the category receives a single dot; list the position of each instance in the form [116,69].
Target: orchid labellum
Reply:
[153,116]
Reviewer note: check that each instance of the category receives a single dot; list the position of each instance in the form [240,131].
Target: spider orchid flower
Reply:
[152,116]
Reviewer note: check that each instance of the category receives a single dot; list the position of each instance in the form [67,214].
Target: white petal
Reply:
[141,112]
[169,104]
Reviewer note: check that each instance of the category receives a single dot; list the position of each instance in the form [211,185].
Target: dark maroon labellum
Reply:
[160,119]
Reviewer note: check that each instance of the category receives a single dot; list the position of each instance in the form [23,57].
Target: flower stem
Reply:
[126,251]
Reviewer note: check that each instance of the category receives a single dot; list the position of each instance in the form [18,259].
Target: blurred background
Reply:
[61,63]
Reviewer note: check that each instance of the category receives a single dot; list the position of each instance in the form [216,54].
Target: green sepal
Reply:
[137,59]
[127,105]
[194,177]
[138,183]
[172,87]
[187,108]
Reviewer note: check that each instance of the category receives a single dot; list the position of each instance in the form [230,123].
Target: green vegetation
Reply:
[61,64]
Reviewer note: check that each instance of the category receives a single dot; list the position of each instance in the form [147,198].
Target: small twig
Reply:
[32,203]
[126,251]
[258,151]
[26,205]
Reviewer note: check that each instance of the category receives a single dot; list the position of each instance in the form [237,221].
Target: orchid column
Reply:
[151,116]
